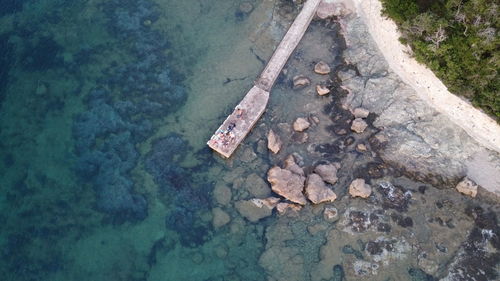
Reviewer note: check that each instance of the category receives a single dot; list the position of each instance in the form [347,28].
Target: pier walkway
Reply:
[241,121]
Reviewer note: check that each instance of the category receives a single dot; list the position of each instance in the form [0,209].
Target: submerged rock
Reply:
[273,142]
[328,172]
[222,194]
[394,197]
[257,186]
[322,68]
[467,187]
[300,124]
[331,214]
[317,191]
[220,217]
[246,7]
[283,207]
[359,188]
[287,184]
[253,210]
[300,81]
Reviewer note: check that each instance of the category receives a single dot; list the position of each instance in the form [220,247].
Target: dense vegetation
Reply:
[458,40]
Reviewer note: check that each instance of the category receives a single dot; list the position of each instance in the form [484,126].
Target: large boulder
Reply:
[359,188]
[287,184]
[256,209]
[257,186]
[467,187]
[328,172]
[322,68]
[317,191]
[300,124]
[273,142]
[358,125]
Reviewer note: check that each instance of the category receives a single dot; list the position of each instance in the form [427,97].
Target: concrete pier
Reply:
[241,121]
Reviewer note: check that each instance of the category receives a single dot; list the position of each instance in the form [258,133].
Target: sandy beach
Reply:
[384,31]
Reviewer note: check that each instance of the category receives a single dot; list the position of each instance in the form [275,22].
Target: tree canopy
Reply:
[458,40]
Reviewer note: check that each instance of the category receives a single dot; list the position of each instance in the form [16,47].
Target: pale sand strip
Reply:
[384,32]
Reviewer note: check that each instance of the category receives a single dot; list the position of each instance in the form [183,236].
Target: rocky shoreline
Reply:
[356,168]
[423,141]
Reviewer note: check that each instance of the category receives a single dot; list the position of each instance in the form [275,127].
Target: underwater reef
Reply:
[122,111]
[187,198]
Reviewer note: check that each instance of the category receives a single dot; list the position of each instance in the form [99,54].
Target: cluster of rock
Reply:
[292,183]
[294,186]
[301,81]
[358,124]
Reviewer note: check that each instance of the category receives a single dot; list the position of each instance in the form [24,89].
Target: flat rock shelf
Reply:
[235,128]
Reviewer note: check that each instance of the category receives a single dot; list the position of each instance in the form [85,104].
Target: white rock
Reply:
[322,90]
[301,124]
[467,187]
[358,125]
[360,112]
[359,188]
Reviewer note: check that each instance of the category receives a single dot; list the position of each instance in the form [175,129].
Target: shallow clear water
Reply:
[105,175]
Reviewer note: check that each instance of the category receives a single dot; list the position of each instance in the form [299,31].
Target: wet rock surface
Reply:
[400,231]
[287,184]
[317,191]
[419,139]
[404,230]
[328,172]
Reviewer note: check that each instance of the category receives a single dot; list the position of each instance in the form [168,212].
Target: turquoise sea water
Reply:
[104,173]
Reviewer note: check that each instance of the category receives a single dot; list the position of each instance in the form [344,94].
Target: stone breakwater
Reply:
[431,133]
